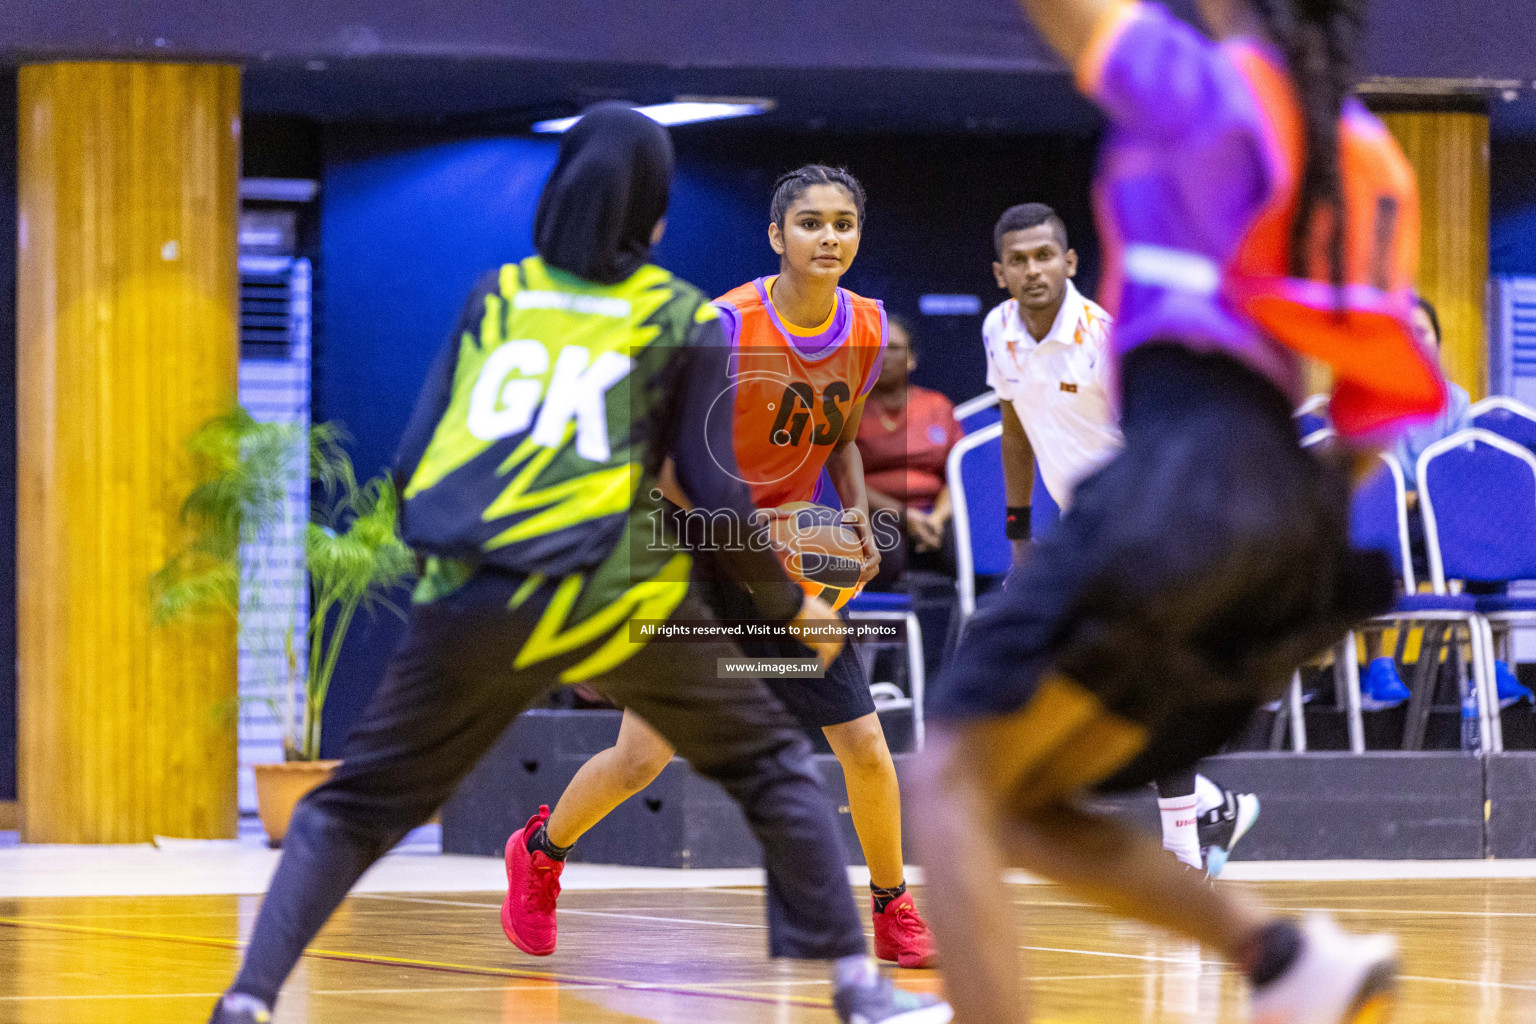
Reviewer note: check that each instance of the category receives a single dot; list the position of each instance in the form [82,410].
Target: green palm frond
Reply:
[329,464]
[350,568]
[182,591]
[352,550]
[368,557]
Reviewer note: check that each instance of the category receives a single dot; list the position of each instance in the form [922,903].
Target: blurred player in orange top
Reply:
[1254,212]
[807,353]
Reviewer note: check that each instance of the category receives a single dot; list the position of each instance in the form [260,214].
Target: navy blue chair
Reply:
[1312,416]
[976,489]
[1379,521]
[1507,417]
[1044,513]
[983,411]
[1379,518]
[976,413]
[1477,490]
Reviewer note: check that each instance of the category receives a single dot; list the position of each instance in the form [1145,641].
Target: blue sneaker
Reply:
[1510,689]
[1382,687]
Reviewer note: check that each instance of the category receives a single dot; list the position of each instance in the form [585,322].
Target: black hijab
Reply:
[605,195]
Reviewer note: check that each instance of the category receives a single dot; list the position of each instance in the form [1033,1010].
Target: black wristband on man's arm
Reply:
[1018,522]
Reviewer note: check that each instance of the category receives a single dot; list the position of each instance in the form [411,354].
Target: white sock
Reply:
[1181,834]
[857,971]
[1208,795]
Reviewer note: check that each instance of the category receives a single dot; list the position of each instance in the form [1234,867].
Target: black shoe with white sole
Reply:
[1222,827]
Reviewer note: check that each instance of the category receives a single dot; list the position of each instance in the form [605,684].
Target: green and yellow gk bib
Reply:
[547,449]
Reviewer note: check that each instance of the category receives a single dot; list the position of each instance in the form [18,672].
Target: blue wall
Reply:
[1512,247]
[408,222]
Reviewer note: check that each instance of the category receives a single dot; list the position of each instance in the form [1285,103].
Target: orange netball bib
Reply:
[1362,331]
[795,389]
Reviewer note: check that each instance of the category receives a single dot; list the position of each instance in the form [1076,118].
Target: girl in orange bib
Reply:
[806,353]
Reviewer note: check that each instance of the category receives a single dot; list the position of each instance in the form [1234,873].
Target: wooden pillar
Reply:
[1449,151]
[127,340]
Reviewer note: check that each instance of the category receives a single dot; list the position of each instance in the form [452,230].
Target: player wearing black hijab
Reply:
[528,478]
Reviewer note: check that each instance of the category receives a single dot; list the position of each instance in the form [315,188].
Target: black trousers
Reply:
[449,693]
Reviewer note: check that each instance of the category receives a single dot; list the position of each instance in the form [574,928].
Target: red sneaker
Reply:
[533,887]
[902,937]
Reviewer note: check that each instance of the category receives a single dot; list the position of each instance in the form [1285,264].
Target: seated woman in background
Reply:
[1458,404]
[1382,686]
[905,438]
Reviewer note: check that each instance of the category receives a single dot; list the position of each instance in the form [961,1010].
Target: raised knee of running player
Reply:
[607,780]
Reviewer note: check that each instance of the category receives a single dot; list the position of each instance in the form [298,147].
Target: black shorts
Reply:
[1188,578]
[842,695]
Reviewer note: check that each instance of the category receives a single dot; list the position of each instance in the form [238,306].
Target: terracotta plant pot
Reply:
[279,788]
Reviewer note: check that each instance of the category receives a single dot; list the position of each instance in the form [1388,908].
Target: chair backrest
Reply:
[1318,437]
[1311,415]
[1378,518]
[976,488]
[1478,494]
[976,413]
[1507,417]
[1043,510]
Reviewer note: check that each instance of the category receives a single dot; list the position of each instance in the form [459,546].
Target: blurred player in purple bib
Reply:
[1252,214]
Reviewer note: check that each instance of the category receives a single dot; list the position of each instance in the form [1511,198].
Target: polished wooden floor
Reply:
[697,956]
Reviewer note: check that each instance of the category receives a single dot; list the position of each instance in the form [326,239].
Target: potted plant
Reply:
[353,557]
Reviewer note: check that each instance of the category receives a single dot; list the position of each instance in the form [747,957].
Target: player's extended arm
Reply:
[1018,469]
[845,468]
[1067,25]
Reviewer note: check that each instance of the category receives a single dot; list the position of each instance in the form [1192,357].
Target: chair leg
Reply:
[1351,687]
[1277,728]
[1298,716]
[1425,677]
[1491,725]
[916,677]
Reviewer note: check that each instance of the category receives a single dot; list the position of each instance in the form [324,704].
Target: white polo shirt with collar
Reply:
[1058,386]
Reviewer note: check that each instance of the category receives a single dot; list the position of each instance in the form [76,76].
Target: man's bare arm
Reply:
[1018,470]
[1018,459]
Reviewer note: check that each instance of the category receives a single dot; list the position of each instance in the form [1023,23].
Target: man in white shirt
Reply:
[1048,360]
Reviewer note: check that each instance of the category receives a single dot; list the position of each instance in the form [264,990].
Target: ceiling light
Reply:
[681,111]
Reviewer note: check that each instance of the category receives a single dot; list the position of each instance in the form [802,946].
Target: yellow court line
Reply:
[681,988]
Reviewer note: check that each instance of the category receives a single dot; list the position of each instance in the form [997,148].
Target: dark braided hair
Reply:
[1321,41]
[796,183]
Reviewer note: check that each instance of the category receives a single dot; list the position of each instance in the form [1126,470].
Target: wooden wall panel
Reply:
[1449,150]
[127,340]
